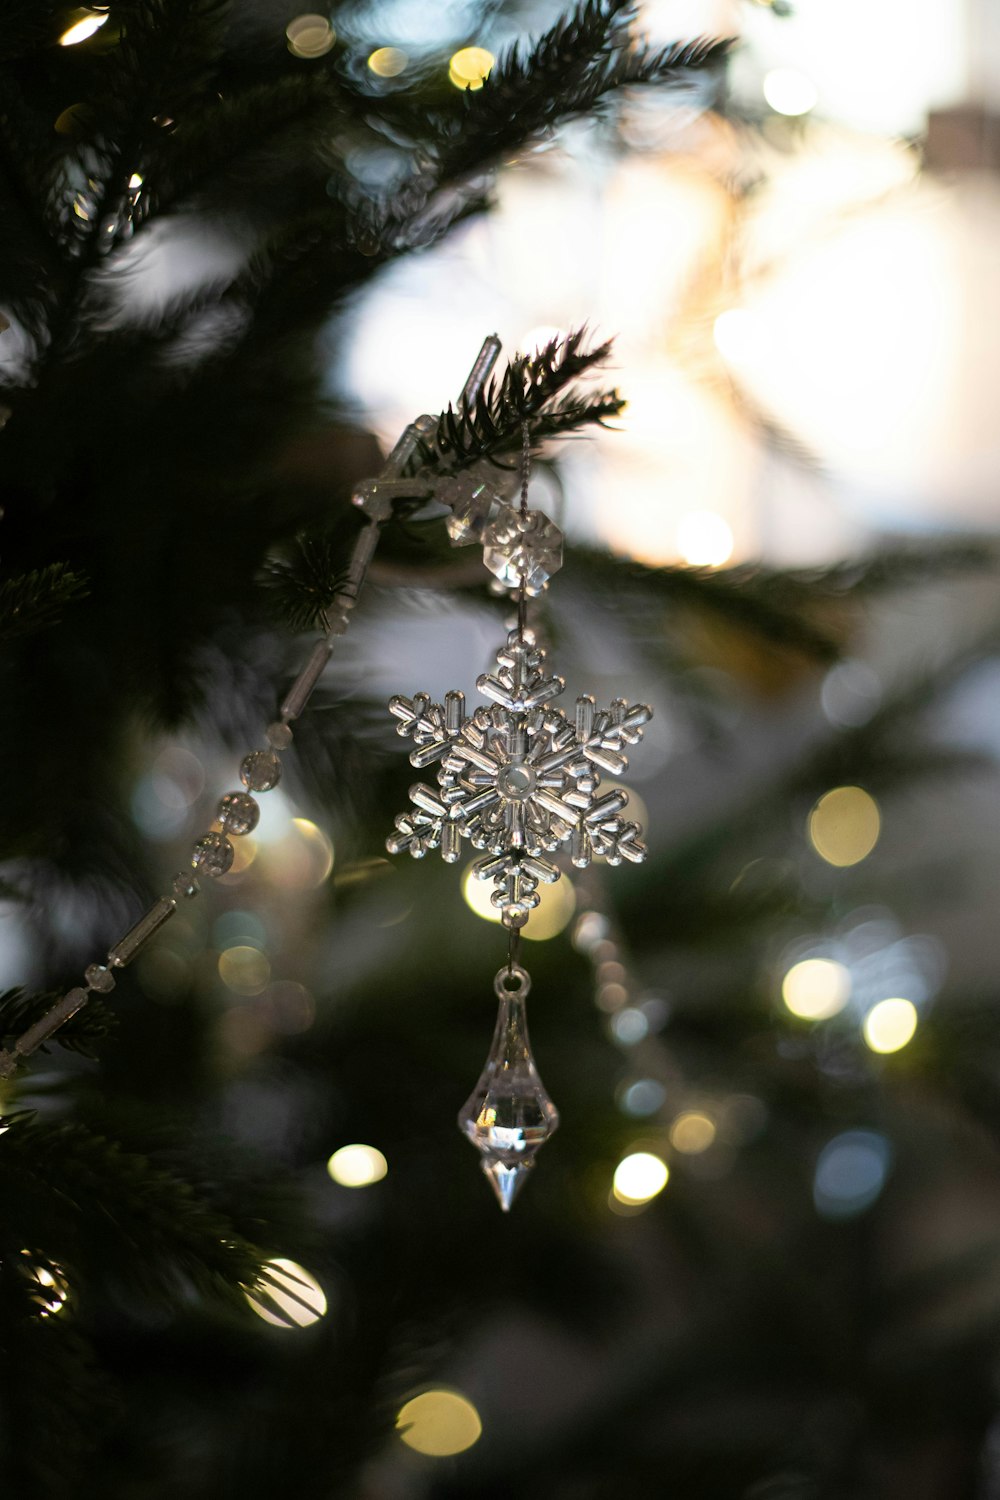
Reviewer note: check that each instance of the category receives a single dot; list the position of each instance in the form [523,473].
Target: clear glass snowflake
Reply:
[519,779]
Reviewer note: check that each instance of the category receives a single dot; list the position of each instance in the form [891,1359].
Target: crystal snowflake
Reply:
[519,779]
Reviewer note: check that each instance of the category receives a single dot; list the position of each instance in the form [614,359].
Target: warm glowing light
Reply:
[310,36]
[135,181]
[816,988]
[844,826]
[82,29]
[692,1132]
[553,913]
[790,92]
[301,860]
[388,62]
[287,1295]
[639,1177]
[357,1166]
[244,970]
[469,67]
[737,334]
[50,1289]
[704,539]
[890,1024]
[244,854]
[439,1423]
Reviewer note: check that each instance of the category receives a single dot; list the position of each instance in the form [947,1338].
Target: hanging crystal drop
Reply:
[509,1116]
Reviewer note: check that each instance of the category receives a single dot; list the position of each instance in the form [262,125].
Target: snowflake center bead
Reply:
[516,783]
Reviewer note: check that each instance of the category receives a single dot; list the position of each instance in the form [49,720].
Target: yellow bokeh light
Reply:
[790,92]
[82,29]
[554,911]
[310,36]
[639,1177]
[439,1423]
[50,1289]
[244,970]
[287,1295]
[301,860]
[692,1132]
[890,1024]
[844,826]
[470,67]
[704,539]
[244,854]
[388,62]
[816,988]
[357,1166]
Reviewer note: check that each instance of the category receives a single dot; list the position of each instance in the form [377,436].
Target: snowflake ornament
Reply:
[518,779]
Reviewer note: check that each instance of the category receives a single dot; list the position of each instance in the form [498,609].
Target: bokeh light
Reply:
[439,1423]
[388,62]
[552,915]
[737,334]
[639,1177]
[469,67]
[82,29]
[244,970]
[49,1287]
[890,1024]
[629,1025]
[357,1166]
[287,1295]
[844,826]
[816,988]
[310,35]
[301,860]
[692,1132]
[704,539]
[790,92]
[850,1173]
[641,1098]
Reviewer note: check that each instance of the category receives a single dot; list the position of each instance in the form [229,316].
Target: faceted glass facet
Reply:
[261,770]
[238,813]
[212,855]
[509,1115]
[524,548]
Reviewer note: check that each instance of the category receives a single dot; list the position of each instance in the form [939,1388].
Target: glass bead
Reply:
[261,770]
[524,548]
[279,736]
[509,1116]
[212,854]
[185,885]
[470,500]
[238,813]
[99,978]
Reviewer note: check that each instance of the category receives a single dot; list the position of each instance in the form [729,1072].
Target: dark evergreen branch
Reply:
[302,583]
[78,1190]
[20,1009]
[569,72]
[34,600]
[534,389]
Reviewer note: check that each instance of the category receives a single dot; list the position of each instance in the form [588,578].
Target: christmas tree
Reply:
[243,1247]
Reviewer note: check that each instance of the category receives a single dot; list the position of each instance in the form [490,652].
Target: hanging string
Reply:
[522,595]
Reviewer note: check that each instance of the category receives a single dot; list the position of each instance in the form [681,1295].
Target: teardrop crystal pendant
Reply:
[508,1115]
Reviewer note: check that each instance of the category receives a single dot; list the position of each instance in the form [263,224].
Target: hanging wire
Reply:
[522,595]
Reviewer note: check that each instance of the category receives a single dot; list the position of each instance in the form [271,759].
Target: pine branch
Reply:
[302,584]
[535,389]
[115,1213]
[568,72]
[35,600]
